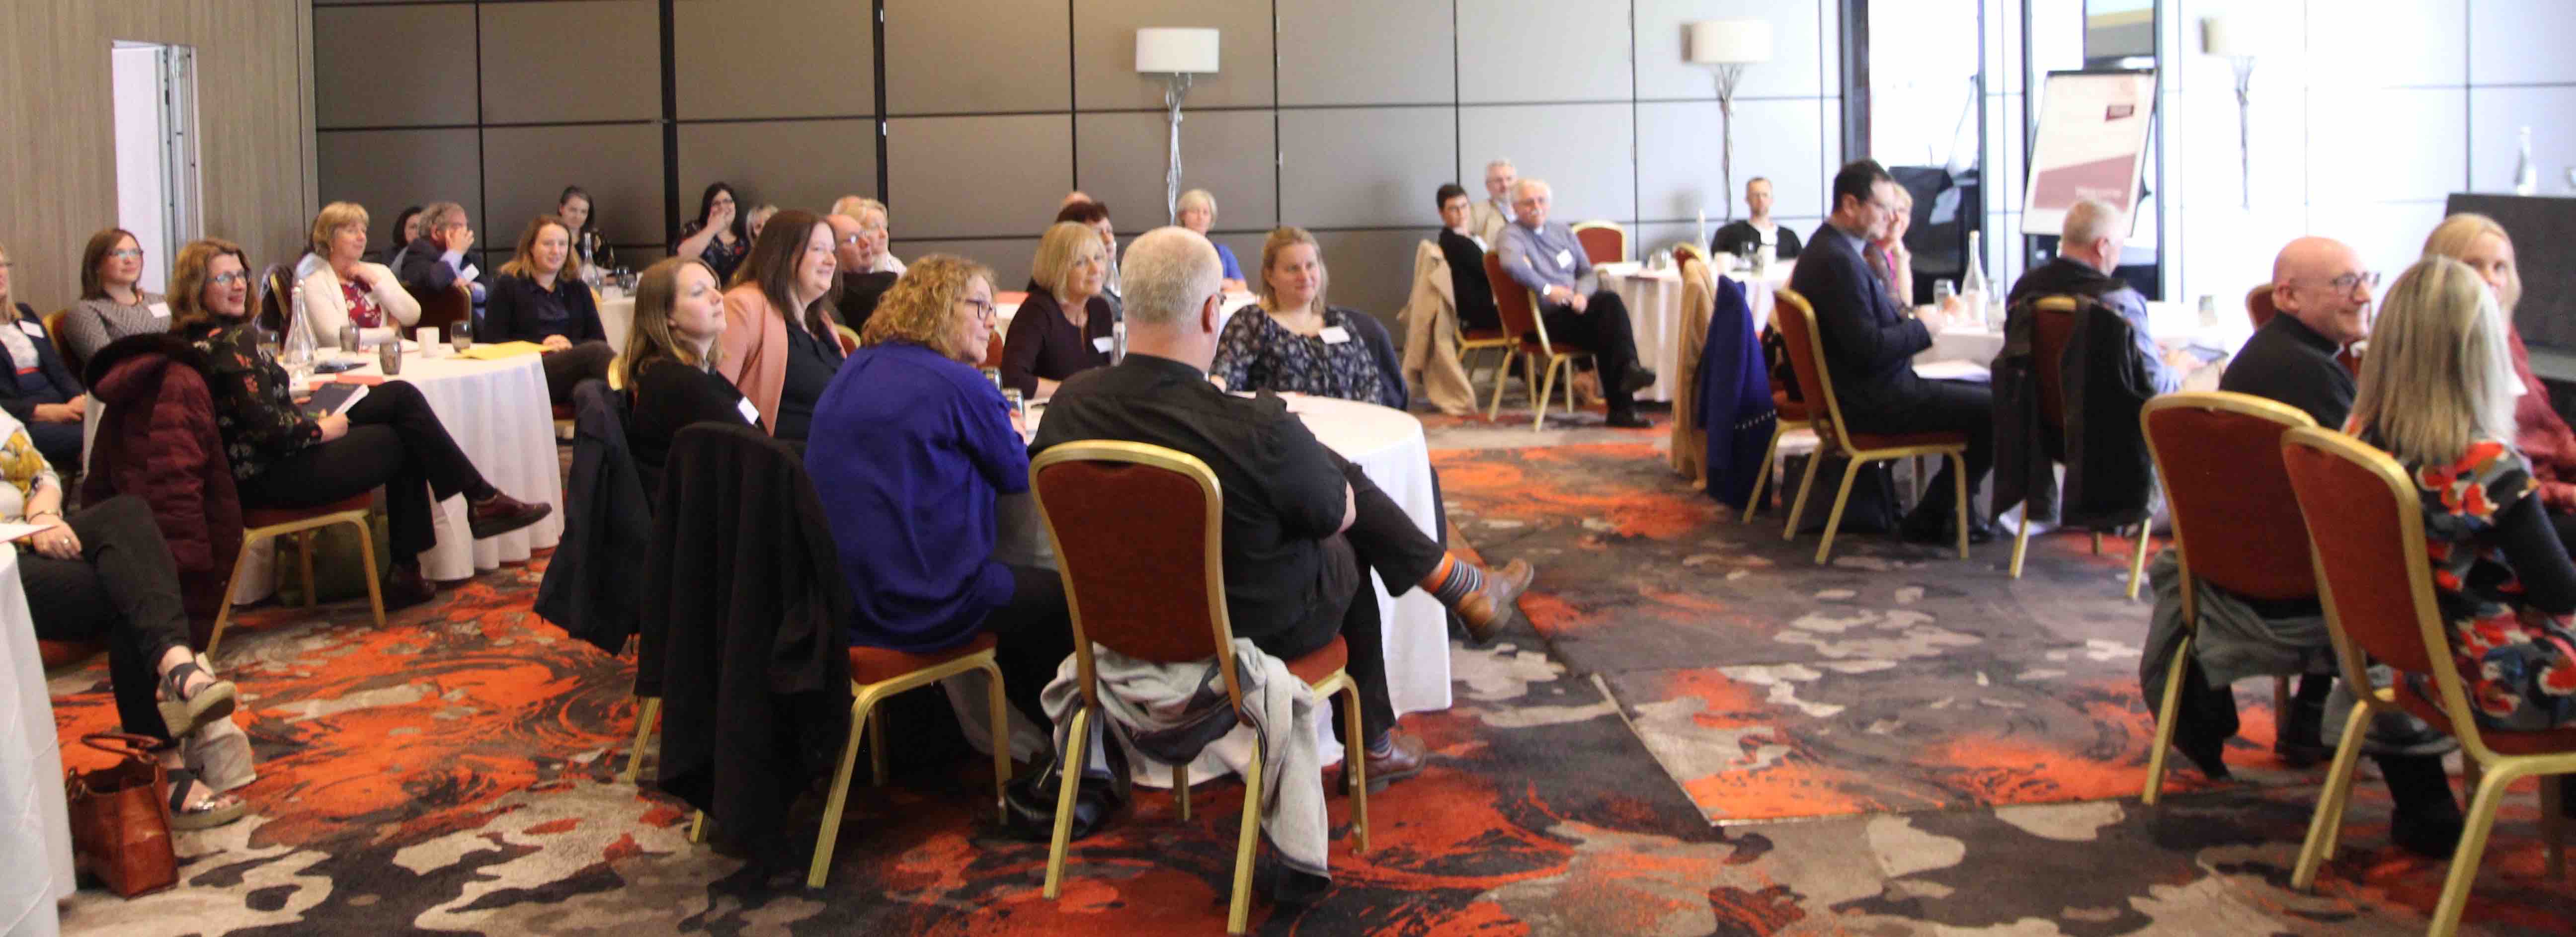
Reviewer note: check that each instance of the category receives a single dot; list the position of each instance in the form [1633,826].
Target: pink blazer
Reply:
[755,350]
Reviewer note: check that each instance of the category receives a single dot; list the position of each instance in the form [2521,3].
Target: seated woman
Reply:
[669,368]
[1095,215]
[36,388]
[2437,393]
[780,347]
[2539,433]
[588,246]
[910,448]
[1063,328]
[105,575]
[717,236]
[539,297]
[111,306]
[345,289]
[406,228]
[1291,342]
[1198,213]
[284,458]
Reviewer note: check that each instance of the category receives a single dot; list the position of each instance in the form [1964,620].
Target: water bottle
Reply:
[2526,174]
[1117,341]
[1972,293]
[296,348]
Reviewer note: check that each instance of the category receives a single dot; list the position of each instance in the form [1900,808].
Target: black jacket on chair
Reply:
[2109,473]
[1390,366]
[743,637]
[589,589]
[1868,340]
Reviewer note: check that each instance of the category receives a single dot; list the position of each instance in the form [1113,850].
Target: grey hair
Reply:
[1170,272]
[1504,163]
[2091,220]
[1201,199]
[1532,182]
[430,213]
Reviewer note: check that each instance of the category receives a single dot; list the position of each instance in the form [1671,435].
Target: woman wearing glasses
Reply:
[112,306]
[780,345]
[718,236]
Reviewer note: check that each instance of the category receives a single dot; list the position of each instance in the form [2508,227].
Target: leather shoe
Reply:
[405,587]
[1405,758]
[1936,531]
[1626,419]
[1491,609]
[1638,378]
[502,514]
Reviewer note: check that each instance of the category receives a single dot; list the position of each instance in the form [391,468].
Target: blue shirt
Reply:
[1233,270]
[908,450]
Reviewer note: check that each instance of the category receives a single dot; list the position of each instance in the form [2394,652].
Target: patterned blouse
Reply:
[2519,663]
[1255,352]
[718,255]
[22,467]
[254,405]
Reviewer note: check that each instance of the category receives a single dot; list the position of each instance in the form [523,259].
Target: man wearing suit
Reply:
[437,260]
[1869,345]
[1465,252]
[1489,217]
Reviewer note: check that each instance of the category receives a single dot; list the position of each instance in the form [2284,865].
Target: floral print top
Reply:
[2519,662]
[22,467]
[1255,352]
[254,406]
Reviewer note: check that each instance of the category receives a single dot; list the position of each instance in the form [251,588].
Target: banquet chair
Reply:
[1471,342]
[1139,531]
[848,337]
[1793,417]
[262,524]
[2052,326]
[1797,323]
[54,333]
[2380,606]
[1519,310]
[1688,441]
[2235,524]
[443,310]
[1604,242]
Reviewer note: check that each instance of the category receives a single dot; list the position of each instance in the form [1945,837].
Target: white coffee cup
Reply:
[430,346]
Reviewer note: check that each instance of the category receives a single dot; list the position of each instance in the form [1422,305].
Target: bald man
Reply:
[2324,297]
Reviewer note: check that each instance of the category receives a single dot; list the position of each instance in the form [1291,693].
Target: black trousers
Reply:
[1944,407]
[394,440]
[1033,635]
[123,590]
[61,444]
[1384,539]
[1602,328]
[568,368]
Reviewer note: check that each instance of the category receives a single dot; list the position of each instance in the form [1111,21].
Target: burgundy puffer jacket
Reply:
[158,439]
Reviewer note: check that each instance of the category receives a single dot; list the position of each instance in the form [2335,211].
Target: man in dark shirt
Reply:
[1303,526]
[1750,234]
[2324,299]
[1466,255]
[438,260]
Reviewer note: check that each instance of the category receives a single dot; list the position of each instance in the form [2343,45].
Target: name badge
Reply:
[1565,259]
[750,414]
[33,329]
[1335,335]
[160,310]
[1100,344]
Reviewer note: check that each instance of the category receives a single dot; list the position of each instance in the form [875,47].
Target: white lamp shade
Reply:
[1169,51]
[1730,42]
[2225,36]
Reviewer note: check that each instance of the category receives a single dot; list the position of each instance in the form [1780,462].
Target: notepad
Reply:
[483,352]
[334,399]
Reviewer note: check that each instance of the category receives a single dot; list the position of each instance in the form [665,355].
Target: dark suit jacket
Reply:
[1467,280]
[50,382]
[423,270]
[1868,340]
[1741,238]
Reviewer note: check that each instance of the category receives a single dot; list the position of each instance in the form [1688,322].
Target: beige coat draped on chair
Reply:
[1431,365]
[1690,442]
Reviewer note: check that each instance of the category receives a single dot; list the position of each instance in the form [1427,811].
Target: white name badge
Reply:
[1335,335]
[1565,259]
[32,329]
[750,414]
[1100,344]
[160,310]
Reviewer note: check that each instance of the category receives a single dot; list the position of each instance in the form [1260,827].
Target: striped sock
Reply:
[1463,580]
[1383,745]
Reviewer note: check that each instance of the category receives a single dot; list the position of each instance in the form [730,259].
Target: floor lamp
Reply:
[1724,47]
[2228,40]
[1175,54]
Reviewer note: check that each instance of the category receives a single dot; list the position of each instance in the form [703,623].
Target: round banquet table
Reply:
[2172,325]
[1654,300]
[616,316]
[35,821]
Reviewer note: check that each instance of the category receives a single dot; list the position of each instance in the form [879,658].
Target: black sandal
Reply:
[183,713]
[215,810]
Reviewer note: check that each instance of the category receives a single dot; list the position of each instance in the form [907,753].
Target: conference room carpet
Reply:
[455,772]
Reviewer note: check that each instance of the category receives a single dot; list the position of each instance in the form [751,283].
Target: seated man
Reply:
[874,221]
[862,284]
[1303,527]
[2324,299]
[1746,235]
[2086,254]
[436,262]
[1869,347]
[1487,219]
[1546,258]
[1465,252]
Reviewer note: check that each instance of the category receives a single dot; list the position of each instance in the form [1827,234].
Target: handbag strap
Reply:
[133,747]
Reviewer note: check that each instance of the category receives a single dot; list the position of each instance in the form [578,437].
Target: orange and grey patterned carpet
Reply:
[1970,747]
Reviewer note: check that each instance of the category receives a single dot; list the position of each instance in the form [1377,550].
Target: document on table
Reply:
[1954,371]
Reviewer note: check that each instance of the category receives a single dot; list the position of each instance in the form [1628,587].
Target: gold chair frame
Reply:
[1828,422]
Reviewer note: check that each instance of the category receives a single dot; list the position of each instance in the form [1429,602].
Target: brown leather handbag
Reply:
[120,832]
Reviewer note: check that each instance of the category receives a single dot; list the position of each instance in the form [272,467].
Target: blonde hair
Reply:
[1063,246]
[1200,199]
[2456,234]
[917,309]
[523,262]
[649,339]
[1282,239]
[333,217]
[852,205]
[2438,376]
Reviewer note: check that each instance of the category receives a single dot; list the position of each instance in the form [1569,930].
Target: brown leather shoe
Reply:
[503,514]
[1405,758]
[404,587]
[1491,609]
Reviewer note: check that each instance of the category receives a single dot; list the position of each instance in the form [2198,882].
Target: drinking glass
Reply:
[460,340]
[390,356]
[1943,291]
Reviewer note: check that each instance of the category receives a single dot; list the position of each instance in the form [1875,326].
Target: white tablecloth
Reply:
[35,822]
[2172,325]
[1654,300]
[616,315]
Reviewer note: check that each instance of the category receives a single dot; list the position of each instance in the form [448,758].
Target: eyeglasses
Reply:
[228,279]
[983,308]
[852,239]
[2345,283]
[125,252]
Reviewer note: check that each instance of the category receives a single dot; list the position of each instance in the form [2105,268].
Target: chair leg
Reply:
[2473,847]
[1239,910]
[367,553]
[224,608]
[2327,826]
[1356,765]
[2021,540]
[1071,778]
[1001,716]
[645,721]
[862,711]
[877,746]
[2097,543]
[304,558]
[1753,502]
[1798,504]
[2163,743]
[1181,789]
[1834,521]
[698,827]
[2138,561]
[2553,822]
[1959,481]
[1538,401]
[1502,376]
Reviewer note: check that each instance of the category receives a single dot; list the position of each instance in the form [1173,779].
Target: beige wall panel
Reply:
[572,61]
[1366,52]
[1586,152]
[525,168]
[791,164]
[394,65]
[1512,51]
[1364,166]
[1228,153]
[977,56]
[968,177]
[1104,52]
[387,170]
[1372,271]
[774,58]
[1009,257]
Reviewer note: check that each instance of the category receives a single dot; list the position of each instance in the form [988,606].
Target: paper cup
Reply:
[428,338]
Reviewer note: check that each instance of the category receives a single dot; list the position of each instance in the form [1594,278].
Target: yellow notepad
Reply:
[482,352]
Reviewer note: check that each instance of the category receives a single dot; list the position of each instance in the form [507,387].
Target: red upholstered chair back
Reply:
[2258,304]
[2053,328]
[993,350]
[442,310]
[1797,324]
[1512,301]
[2236,523]
[2377,579]
[1138,540]
[1603,242]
